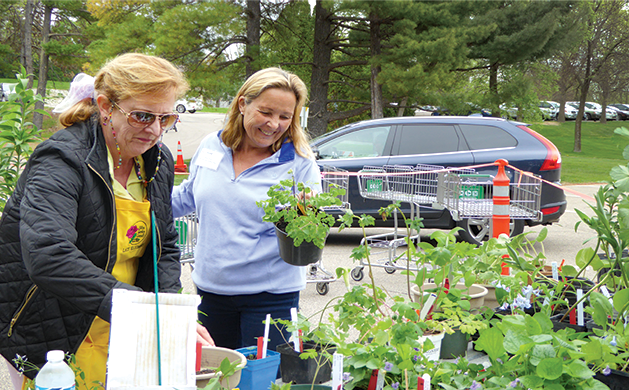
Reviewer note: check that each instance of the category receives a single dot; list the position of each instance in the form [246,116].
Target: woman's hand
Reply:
[203,336]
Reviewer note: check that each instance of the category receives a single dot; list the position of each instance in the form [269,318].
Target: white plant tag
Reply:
[337,371]
[380,381]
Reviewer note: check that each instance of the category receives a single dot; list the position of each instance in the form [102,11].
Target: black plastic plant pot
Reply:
[616,380]
[302,255]
[302,371]
[454,345]
[558,325]
[571,286]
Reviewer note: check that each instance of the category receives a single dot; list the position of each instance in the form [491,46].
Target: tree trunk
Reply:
[493,90]
[322,52]
[38,119]
[27,41]
[584,93]
[376,89]
[402,107]
[253,37]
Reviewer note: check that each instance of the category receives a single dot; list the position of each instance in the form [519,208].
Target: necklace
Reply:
[138,170]
[117,148]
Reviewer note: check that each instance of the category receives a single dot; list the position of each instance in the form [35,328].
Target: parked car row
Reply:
[548,109]
[450,141]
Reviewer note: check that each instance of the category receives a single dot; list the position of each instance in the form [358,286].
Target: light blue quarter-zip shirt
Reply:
[236,253]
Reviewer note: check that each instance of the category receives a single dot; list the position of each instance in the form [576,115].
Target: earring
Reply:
[107,118]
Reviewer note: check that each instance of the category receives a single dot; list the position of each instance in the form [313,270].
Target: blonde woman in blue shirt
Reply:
[238,270]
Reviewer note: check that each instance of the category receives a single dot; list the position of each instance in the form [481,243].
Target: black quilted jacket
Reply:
[58,244]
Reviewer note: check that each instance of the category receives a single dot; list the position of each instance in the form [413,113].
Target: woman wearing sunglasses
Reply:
[238,270]
[79,222]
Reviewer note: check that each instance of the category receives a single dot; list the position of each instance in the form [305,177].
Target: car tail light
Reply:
[553,157]
[550,210]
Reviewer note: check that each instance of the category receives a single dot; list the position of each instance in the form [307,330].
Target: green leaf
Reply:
[620,176]
[490,341]
[622,131]
[621,298]
[541,236]
[583,257]
[541,352]
[579,369]
[551,368]
[568,270]
[531,381]
[514,340]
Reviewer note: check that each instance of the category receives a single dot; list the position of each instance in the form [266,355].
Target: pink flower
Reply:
[131,232]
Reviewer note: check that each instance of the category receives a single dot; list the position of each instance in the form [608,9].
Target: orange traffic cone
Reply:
[180,166]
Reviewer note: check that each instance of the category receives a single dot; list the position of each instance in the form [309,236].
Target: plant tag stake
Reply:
[293,318]
[427,308]
[423,382]
[579,307]
[555,273]
[337,371]
[605,292]
[373,380]
[259,349]
[267,324]
[197,366]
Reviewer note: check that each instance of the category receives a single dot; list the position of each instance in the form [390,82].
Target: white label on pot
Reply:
[209,158]
[426,379]
[337,371]
[580,307]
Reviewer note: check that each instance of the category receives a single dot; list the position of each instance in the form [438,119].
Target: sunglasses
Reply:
[143,119]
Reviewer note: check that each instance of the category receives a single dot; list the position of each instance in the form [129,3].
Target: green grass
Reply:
[215,109]
[601,149]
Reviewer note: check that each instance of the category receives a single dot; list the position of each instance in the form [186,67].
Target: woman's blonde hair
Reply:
[128,76]
[234,132]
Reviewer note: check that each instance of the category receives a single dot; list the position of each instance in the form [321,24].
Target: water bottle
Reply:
[56,374]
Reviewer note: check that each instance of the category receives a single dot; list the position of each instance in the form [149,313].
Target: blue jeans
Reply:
[236,321]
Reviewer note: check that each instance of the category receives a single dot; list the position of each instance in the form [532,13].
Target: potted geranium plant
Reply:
[302,225]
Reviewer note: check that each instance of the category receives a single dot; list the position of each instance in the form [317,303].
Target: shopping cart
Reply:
[332,177]
[413,185]
[187,227]
[471,195]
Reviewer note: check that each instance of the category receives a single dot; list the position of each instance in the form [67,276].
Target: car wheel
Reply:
[192,111]
[477,230]
[180,108]
[588,117]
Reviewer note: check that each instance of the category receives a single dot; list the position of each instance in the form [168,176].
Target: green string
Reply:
[154,236]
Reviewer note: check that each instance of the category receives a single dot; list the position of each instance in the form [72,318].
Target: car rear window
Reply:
[487,137]
[425,139]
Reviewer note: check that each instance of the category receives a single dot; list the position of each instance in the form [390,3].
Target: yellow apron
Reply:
[134,234]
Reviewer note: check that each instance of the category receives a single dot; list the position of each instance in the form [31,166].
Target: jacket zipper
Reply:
[113,227]
[27,298]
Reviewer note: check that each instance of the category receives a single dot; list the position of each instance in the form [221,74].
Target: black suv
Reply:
[448,141]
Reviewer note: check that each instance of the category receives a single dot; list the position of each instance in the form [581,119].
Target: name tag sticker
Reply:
[209,159]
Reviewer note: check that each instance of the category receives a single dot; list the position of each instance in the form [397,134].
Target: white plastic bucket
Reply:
[433,354]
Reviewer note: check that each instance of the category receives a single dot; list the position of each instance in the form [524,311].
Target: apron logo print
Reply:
[137,232]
